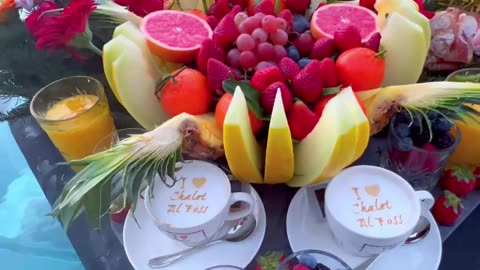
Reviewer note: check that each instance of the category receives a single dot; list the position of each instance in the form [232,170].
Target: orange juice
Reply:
[77,123]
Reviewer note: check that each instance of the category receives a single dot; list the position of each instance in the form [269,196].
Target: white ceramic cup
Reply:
[198,205]
[370,209]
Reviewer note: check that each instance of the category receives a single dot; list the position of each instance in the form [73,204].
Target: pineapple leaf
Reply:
[97,202]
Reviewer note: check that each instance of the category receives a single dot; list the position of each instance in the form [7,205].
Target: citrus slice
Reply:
[329,18]
[175,35]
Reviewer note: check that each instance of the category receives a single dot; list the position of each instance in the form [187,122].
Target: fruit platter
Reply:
[280,91]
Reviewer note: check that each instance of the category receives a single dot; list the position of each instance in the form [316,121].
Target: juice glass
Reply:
[74,113]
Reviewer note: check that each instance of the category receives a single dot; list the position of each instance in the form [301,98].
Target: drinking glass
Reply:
[421,168]
[465,75]
[74,113]
[326,258]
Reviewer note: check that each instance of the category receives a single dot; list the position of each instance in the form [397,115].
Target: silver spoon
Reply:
[421,230]
[237,233]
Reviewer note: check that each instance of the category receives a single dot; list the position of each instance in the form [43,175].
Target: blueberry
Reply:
[441,125]
[322,266]
[403,117]
[405,144]
[303,62]
[420,138]
[300,23]
[433,115]
[293,53]
[443,141]
[308,260]
[402,130]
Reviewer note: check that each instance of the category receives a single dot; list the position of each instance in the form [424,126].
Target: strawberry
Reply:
[297,6]
[447,208]
[374,42]
[318,109]
[289,68]
[347,37]
[322,48]
[119,217]
[267,97]
[266,7]
[219,9]
[300,267]
[329,73]
[307,84]
[226,31]
[270,261]
[301,120]
[368,4]
[304,43]
[212,21]
[242,3]
[208,49]
[287,16]
[477,174]
[217,72]
[264,77]
[460,180]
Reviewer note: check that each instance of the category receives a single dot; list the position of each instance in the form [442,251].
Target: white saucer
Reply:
[306,231]
[142,244]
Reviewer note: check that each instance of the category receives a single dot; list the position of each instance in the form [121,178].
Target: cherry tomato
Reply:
[361,68]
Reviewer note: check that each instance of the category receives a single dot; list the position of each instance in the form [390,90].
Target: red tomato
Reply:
[361,68]
[321,104]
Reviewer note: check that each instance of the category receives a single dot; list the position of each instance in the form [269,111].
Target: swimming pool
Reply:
[28,238]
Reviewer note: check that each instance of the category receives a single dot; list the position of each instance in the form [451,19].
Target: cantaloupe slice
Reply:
[111,51]
[279,162]
[242,151]
[406,50]
[330,147]
[131,31]
[135,82]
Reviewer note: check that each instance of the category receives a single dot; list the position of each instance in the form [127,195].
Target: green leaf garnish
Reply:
[251,95]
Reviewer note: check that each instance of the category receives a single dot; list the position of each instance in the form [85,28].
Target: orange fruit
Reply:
[253,3]
[222,108]
[187,92]
[175,36]
[198,13]
[327,19]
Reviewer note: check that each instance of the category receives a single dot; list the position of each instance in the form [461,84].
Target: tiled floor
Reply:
[461,251]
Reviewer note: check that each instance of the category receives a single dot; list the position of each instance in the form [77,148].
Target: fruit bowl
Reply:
[313,260]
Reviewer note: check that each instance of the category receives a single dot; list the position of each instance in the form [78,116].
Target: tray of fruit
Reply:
[283,91]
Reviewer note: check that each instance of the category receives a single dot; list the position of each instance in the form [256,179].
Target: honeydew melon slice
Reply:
[135,82]
[111,51]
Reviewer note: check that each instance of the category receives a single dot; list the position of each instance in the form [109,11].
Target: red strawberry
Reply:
[304,44]
[264,77]
[321,104]
[212,21]
[329,73]
[459,180]
[300,267]
[219,9]
[374,42]
[301,120]
[242,3]
[477,174]
[267,97]
[226,31]
[289,68]
[307,84]
[119,217]
[447,208]
[208,49]
[322,48]
[287,16]
[347,37]
[297,6]
[266,7]
[217,72]
[368,4]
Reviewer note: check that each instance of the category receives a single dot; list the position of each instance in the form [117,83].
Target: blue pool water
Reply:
[28,238]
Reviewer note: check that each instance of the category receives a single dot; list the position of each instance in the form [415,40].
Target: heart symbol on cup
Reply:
[199,182]
[372,190]
[183,237]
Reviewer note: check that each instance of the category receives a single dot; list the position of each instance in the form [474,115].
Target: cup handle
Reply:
[426,199]
[240,197]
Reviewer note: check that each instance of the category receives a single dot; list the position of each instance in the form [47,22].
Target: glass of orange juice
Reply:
[74,113]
